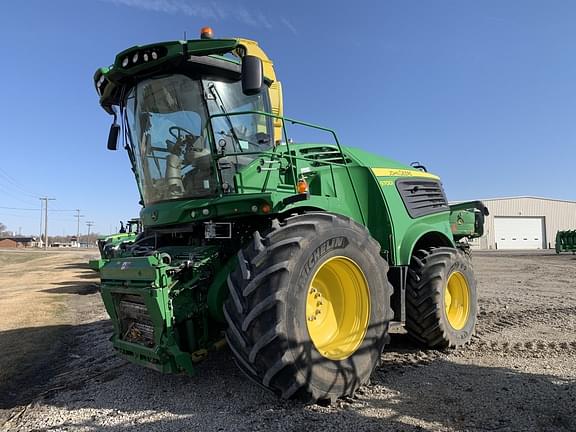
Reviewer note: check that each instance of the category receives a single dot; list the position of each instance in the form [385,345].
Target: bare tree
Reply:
[3,231]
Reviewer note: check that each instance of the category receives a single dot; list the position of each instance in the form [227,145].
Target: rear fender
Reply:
[421,235]
[467,219]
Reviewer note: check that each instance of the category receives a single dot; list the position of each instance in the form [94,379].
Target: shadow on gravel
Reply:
[409,395]
[467,397]
[74,288]
[75,265]
[88,275]
[28,359]
[36,360]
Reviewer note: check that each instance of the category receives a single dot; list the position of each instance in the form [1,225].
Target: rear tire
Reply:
[441,298]
[272,328]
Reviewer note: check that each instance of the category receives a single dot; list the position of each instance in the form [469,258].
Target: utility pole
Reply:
[46,199]
[78,216]
[90,225]
[41,222]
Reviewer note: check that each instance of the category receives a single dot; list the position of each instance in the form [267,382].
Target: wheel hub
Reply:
[338,308]
[457,300]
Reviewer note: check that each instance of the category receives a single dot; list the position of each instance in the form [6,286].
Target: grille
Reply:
[324,154]
[422,197]
[135,322]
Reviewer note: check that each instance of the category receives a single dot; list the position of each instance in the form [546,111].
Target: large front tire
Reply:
[309,307]
[441,298]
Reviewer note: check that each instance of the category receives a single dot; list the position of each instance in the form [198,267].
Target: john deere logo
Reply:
[154,215]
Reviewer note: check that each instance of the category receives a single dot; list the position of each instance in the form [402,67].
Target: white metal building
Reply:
[525,222]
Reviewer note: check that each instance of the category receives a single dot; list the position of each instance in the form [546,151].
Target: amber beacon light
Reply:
[206,33]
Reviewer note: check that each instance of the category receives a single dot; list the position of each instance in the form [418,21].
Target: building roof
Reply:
[20,239]
[530,197]
[515,197]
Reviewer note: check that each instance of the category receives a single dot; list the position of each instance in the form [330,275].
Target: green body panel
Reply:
[330,190]
[96,264]
[200,210]
[166,306]
[118,238]
[172,307]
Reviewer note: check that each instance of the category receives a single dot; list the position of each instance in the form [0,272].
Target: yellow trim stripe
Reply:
[400,172]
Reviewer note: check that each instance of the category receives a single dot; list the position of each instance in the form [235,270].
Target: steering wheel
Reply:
[179,132]
[184,140]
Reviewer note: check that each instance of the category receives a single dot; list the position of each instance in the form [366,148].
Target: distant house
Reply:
[8,243]
[62,245]
[18,242]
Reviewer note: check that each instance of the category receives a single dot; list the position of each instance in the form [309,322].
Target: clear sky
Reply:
[482,92]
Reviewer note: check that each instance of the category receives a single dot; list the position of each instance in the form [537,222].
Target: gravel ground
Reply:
[519,373]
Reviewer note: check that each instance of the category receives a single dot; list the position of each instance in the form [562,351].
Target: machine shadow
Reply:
[30,358]
[74,287]
[76,266]
[440,394]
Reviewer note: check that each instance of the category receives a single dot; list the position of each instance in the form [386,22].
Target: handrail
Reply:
[302,123]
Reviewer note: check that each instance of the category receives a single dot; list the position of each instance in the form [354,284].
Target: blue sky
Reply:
[482,92]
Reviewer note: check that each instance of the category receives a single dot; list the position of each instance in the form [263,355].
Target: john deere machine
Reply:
[566,241]
[299,255]
[108,244]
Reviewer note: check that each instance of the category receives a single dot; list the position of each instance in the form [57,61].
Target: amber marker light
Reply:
[206,33]
[265,208]
[302,186]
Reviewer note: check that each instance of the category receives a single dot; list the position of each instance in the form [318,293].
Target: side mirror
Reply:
[113,136]
[252,75]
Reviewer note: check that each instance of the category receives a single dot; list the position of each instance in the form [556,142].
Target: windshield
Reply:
[169,135]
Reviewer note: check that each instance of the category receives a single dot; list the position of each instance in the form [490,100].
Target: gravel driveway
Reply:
[519,373]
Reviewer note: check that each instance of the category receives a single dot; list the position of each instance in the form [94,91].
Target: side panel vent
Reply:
[422,197]
[324,154]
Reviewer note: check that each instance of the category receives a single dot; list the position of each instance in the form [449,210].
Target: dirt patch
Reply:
[519,372]
[19,256]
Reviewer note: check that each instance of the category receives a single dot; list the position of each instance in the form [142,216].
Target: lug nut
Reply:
[319,303]
[318,311]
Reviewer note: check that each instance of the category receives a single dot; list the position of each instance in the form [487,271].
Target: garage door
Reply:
[519,232]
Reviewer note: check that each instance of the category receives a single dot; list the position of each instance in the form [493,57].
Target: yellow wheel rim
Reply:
[338,308]
[457,300]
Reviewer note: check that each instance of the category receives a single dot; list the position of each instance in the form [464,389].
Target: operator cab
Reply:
[180,152]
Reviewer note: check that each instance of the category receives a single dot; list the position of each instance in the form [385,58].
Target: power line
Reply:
[15,184]
[18,215]
[34,209]
[14,196]
[19,208]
